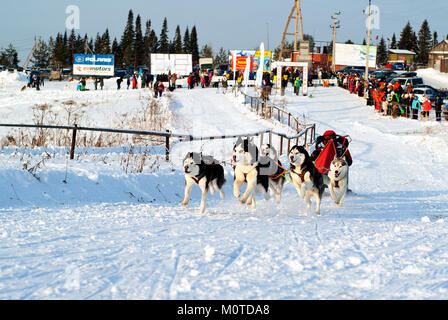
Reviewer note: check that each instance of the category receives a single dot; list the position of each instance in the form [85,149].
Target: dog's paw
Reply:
[184,203]
[237,195]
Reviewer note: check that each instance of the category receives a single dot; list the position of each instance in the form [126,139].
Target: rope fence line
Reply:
[308,132]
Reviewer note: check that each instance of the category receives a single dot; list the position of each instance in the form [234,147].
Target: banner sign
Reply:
[267,60]
[354,55]
[93,65]
[240,57]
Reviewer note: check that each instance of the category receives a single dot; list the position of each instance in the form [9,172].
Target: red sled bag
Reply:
[325,158]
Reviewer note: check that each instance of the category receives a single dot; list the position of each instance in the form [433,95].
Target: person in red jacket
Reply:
[426,106]
[161,88]
[340,142]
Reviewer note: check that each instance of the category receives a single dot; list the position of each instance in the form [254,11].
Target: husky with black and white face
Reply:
[338,176]
[307,180]
[247,170]
[204,171]
[274,169]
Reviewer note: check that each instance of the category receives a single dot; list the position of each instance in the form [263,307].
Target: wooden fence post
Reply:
[281,145]
[72,150]
[167,147]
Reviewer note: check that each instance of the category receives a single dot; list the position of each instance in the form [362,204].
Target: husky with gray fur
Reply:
[338,176]
[269,157]
[307,180]
[248,170]
[204,171]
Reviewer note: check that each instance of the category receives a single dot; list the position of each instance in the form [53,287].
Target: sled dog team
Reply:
[261,171]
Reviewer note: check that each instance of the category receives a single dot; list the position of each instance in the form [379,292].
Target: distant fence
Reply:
[268,111]
[307,133]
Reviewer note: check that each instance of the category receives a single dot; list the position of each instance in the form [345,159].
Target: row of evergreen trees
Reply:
[132,49]
[420,43]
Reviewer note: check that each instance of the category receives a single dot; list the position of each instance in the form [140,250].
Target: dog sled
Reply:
[329,146]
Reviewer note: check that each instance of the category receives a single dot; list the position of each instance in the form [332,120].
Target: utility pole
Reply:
[336,25]
[267,29]
[369,21]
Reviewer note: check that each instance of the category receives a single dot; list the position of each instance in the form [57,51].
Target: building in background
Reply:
[396,55]
[438,57]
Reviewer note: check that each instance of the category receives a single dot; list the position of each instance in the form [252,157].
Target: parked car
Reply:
[347,68]
[429,93]
[405,81]
[45,73]
[443,94]
[121,73]
[399,66]
[385,73]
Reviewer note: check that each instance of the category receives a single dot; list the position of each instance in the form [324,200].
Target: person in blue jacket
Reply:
[416,106]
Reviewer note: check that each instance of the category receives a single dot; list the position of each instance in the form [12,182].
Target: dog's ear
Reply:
[239,141]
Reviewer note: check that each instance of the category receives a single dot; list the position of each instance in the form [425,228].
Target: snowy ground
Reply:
[108,234]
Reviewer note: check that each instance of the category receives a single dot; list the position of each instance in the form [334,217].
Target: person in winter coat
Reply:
[297,85]
[128,81]
[416,106]
[161,88]
[340,142]
[203,81]
[438,108]
[426,105]
[119,81]
[134,82]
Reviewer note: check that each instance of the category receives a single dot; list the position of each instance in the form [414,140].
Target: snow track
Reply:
[388,240]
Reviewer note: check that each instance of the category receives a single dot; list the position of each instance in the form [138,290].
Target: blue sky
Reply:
[232,24]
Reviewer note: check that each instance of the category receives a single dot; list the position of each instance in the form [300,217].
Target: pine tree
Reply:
[105,42]
[41,55]
[118,55]
[72,45]
[222,57]
[424,43]
[435,41]
[349,42]
[127,41]
[406,38]
[98,44]
[59,51]
[146,44]
[138,43]
[177,41]
[364,42]
[207,51]
[79,44]
[164,45]
[382,52]
[66,50]
[186,43]
[194,47]
[153,42]
[9,57]
[393,43]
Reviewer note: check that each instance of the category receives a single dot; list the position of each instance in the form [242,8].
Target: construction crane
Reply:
[30,55]
[296,14]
